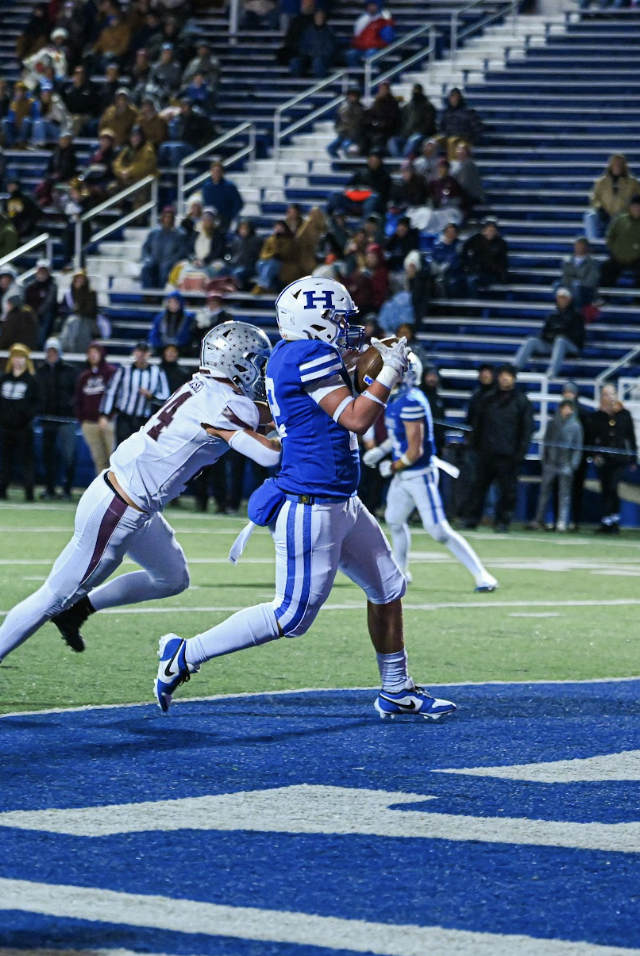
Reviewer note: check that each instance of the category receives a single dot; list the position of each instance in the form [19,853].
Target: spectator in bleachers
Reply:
[260,13]
[349,125]
[41,295]
[611,428]
[420,284]
[300,20]
[99,175]
[317,49]
[466,172]
[19,323]
[109,88]
[367,191]
[372,31]
[382,119]
[561,335]
[244,254]
[90,388]
[134,393]
[403,240]
[8,285]
[278,261]
[430,388]
[207,65]
[357,281]
[62,167]
[355,251]
[611,196]
[623,244]
[210,243]
[581,274]
[36,32]
[445,193]
[293,217]
[148,30]
[189,130]
[170,32]
[73,205]
[378,272]
[213,313]
[166,73]
[135,161]
[561,454]
[485,258]
[222,194]
[82,100]
[173,326]
[153,125]
[50,117]
[459,122]
[411,191]
[79,308]
[336,237]
[571,390]
[307,240]
[502,431]
[8,236]
[177,376]
[418,121]
[70,18]
[21,209]
[114,38]
[141,82]
[426,162]
[446,263]
[200,96]
[121,117]
[18,408]
[56,384]
[16,125]
[5,103]
[164,246]
[189,223]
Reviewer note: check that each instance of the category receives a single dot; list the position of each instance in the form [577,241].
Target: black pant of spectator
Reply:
[17,450]
[58,448]
[611,270]
[127,425]
[610,475]
[577,491]
[504,471]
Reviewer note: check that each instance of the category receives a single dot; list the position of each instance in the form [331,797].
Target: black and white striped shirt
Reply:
[123,393]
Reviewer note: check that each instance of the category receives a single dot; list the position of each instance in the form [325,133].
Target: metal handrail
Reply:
[600,379]
[44,239]
[151,206]
[249,150]
[396,45]
[428,51]
[340,76]
[457,36]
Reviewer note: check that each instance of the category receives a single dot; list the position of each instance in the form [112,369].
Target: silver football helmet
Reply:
[316,307]
[237,351]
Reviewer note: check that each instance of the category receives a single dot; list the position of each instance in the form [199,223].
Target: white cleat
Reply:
[486,585]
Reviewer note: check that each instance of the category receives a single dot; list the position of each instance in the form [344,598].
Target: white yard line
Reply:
[279,926]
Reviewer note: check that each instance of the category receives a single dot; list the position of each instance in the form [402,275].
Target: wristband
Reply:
[341,407]
[388,377]
[373,398]
[406,461]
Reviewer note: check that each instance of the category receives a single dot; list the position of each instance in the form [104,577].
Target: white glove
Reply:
[373,456]
[394,356]
[385,468]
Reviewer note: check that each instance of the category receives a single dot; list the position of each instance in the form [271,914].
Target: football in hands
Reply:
[369,364]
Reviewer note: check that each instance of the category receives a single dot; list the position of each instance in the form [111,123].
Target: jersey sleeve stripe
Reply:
[330,357]
[415,416]
[321,373]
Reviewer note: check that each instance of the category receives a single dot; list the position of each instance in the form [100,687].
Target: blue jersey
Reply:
[410,406]
[319,457]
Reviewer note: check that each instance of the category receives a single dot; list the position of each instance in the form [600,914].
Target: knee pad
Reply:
[440,532]
[299,625]
[174,581]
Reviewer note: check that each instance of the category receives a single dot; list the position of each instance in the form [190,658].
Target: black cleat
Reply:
[70,621]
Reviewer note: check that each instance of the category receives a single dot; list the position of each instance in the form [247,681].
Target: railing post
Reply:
[454,37]
[277,121]
[234,11]
[367,79]
[49,249]
[181,199]
[514,16]
[77,252]
[432,45]
[252,145]
[154,200]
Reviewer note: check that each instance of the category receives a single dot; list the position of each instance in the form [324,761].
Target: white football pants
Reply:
[421,492]
[313,543]
[106,529]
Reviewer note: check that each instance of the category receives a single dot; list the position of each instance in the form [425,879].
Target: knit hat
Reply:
[571,387]
[43,264]
[412,258]
[19,349]
[53,343]
[107,132]
[175,294]
[562,290]
[8,271]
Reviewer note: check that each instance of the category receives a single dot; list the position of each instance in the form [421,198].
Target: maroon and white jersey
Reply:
[154,465]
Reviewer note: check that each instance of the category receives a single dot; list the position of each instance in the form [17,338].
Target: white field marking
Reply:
[534,614]
[279,926]
[606,767]
[307,808]
[313,690]
[67,529]
[4,951]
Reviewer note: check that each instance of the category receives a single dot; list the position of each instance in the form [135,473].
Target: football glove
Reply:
[385,468]
[394,356]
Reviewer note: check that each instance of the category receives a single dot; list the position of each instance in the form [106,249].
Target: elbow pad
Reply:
[251,448]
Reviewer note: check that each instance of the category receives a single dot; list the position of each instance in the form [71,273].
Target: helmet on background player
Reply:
[318,308]
[412,376]
[237,351]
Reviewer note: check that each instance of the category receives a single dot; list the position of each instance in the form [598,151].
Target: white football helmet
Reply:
[237,351]
[318,308]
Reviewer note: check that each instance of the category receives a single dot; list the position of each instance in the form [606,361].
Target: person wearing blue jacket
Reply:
[222,194]
[317,49]
[174,326]
[446,264]
[163,247]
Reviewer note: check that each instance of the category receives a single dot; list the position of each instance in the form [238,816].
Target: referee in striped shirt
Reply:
[134,393]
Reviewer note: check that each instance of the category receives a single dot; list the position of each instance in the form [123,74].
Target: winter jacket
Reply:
[613,194]
[20,109]
[399,247]
[176,375]
[566,322]
[462,123]
[155,129]
[349,120]
[318,41]
[383,116]
[223,196]
[567,432]
[446,256]
[114,38]
[8,236]
[445,192]
[208,249]
[480,254]
[586,272]
[373,32]
[245,251]
[477,398]
[57,389]
[613,430]
[410,192]
[167,76]
[284,249]
[208,65]
[20,325]
[504,425]
[121,123]
[307,240]
[377,180]
[164,246]
[53,112]
[62,165]
[18,400]
[82,100]
[623,239]
[90,388]
[135,162]
[171,328]
[418,116]
[23,212]
[467,174]
[194,128]
[42,297]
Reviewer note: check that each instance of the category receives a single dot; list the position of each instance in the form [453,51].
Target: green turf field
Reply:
[567,608]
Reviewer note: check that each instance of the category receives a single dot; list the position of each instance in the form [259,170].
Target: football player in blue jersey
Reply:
[319,524]
[415,478]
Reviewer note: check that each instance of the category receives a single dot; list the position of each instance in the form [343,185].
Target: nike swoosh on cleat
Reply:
[167,670]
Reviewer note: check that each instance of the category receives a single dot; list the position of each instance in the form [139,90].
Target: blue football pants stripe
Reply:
[306,569]
[291,561]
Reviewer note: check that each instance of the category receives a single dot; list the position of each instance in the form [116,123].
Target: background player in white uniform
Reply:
[322,526]
[415,478]
[120,512]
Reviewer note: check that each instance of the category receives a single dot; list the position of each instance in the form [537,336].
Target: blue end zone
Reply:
[330,738]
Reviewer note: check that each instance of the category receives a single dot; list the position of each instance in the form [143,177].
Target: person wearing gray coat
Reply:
[581,274]
[561,456]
